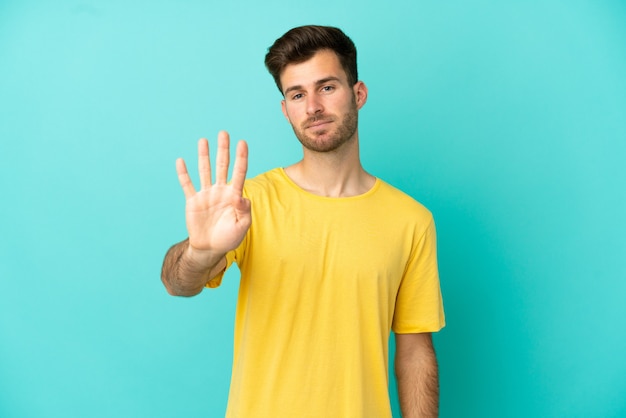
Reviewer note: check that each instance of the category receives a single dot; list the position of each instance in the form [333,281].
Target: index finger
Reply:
[240,168]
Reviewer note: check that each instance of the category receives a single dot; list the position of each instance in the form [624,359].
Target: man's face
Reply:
[320,104]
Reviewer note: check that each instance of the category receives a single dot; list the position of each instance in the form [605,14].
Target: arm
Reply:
[417,375]
[217,216]
[185,272]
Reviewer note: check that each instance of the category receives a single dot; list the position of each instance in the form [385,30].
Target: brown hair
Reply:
[301,43]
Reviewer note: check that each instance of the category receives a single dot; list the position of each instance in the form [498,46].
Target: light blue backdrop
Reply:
[506,119]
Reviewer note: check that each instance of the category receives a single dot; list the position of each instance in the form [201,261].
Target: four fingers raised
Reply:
[222,162]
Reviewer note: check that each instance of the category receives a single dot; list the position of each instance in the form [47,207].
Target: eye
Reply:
[328,89]
[296,96]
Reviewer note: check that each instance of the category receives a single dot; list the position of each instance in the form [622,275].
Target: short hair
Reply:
[300,44]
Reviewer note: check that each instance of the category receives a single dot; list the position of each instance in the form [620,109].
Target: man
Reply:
[331,258]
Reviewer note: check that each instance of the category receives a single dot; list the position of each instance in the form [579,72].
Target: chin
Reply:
[328,145]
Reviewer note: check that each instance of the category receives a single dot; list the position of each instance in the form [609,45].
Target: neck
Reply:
[332,174]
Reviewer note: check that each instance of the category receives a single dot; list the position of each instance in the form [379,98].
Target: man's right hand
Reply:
[218,216]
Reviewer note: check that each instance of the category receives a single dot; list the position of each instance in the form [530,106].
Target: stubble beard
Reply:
[325,140]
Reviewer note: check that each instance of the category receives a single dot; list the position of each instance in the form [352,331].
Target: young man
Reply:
[331,258]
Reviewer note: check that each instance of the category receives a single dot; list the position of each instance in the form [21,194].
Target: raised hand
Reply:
[218,216]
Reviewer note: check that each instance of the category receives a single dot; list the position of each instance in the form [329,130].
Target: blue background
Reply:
[506,119]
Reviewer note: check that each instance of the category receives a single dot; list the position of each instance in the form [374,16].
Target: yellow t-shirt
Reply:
[323,283]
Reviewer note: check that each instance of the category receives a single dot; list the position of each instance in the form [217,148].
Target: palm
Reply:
[218,216]
[216,219]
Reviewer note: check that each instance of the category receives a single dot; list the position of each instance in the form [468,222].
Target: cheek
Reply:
[283,108]
[293,113]
[288,115]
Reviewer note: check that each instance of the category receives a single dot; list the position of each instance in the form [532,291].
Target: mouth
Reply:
[317,123]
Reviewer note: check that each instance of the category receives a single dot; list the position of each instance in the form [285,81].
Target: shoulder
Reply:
[265,183]
[399,201]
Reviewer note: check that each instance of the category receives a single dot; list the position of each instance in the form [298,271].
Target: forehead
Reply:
[323,64]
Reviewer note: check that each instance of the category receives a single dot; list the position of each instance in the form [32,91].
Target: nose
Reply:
[313,105]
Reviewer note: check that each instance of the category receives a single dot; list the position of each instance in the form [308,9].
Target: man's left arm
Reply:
[417,374]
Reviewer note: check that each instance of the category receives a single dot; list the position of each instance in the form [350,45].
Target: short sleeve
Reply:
[419,303]
[217,280]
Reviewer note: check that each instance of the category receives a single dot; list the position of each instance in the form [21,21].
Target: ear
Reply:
[283,107]
[360,94]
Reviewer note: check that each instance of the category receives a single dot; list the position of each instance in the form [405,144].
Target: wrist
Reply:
[202,259]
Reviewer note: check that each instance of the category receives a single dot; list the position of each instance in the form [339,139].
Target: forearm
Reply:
[418,380]
[185,272]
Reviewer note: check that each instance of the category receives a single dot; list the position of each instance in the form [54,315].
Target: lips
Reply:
[317,123]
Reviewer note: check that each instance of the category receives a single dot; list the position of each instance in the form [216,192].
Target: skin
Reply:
[217,216]
[321,111]
[417,375]
[322,108]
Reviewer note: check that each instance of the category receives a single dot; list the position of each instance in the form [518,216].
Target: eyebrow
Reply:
[317,83]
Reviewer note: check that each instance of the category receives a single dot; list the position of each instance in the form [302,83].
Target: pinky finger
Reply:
[183,179]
